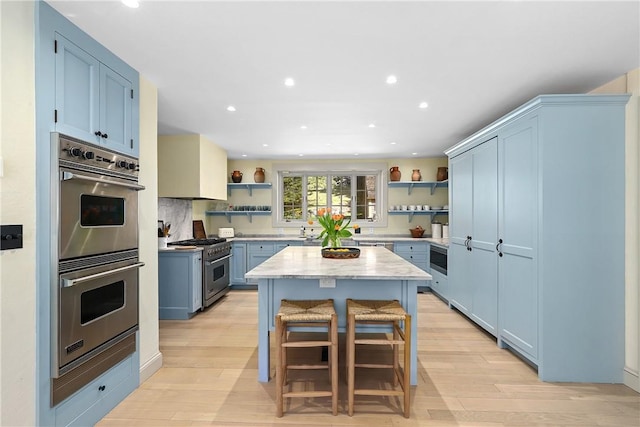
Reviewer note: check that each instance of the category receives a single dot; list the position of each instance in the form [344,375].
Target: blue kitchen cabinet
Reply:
[179,283]
[238,263]
[93,101]
[100,396]
[517,236]
[416,253]
[560,277]
[257,253]
[281,245]
[439,284]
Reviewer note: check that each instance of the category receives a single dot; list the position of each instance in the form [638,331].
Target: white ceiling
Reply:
[471,61]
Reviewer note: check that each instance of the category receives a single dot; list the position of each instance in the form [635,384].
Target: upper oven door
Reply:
[98,214]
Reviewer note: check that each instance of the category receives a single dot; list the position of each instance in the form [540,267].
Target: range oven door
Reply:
[215,280]
[95,307]
[98,214]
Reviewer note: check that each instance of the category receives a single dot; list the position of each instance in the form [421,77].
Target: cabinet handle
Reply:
[105,136]
[467,243]
[498,247]
[102,387]
[98,133]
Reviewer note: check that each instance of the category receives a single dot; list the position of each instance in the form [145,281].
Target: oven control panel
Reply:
[81,153]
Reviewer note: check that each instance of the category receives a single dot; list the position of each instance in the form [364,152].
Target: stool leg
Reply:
[406,386]
[396,356]
[334,364]
[351,360]
[279,367]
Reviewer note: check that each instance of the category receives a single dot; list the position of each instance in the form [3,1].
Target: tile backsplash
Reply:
[178,213]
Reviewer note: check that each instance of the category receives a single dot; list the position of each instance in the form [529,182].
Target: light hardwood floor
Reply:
[209,378]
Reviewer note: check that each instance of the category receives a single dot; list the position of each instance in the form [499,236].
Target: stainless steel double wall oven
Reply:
[95,295]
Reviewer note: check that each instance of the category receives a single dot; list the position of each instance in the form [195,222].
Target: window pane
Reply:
[292,197]
[341,195]
[316,193]
[366,197]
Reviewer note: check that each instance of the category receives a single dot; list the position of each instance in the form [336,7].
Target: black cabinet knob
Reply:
[102,388]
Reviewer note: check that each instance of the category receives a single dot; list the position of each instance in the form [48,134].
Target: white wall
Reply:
[630,83]
[17,206]
[150,356]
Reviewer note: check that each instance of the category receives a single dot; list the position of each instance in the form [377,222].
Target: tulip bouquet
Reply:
[334,227]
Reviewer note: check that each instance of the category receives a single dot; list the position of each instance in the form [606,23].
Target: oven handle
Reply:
[66,283]
[68,175]
[219,259]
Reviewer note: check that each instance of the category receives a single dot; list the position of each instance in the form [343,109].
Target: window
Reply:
[357,194]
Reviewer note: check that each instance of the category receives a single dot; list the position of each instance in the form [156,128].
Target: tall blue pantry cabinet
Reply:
[529,259]
[84,91]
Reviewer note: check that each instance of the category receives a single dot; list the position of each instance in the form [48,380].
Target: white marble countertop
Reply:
[306,262]
[356,237]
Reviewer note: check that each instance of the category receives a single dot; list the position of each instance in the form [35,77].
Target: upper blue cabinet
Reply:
[95,94]
[93,102]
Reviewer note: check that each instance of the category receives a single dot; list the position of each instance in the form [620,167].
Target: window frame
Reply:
[375,169]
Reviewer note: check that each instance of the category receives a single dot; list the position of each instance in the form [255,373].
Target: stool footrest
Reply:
[306,344]
[307,394]
[299,367]
[378,392]
[373,365]
[374,341]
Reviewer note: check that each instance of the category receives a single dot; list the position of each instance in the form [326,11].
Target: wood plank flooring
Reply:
[209,378]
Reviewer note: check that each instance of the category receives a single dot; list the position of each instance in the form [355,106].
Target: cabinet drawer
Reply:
[84,407]
[439,283]
[261,248]
[410,247]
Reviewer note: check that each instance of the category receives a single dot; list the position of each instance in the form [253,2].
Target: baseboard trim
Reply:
[151,367]
[631,379]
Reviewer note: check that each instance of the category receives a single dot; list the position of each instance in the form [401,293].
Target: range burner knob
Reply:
[132,166]
[88,155]
[75,152]
[122,164]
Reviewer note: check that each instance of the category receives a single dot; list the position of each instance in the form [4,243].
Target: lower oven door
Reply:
[95,306]
[215,280]
[98,214]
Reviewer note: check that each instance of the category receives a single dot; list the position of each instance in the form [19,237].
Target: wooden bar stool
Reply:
[380,312]
[313,314]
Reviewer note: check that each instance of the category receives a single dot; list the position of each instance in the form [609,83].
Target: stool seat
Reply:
[377,311]
[306,310]
[319,314]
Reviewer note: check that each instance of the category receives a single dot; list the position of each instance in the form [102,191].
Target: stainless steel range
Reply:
[216,253]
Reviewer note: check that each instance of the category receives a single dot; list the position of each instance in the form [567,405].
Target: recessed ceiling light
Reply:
[134,4]
[391,80]
[423,105]
[265,145]
[393,143]
[289,82]
[372,125]
[244,155]
[414,154]
[303,127]
[356,154]
[231,108]
[301,155]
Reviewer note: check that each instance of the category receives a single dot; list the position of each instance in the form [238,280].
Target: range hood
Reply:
[191,167]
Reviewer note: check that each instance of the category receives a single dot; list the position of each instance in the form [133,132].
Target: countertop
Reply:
[306,262]
[358,238]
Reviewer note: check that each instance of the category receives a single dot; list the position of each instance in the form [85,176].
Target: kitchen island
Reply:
[301,273]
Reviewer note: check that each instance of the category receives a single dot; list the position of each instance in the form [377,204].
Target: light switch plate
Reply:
[327,283]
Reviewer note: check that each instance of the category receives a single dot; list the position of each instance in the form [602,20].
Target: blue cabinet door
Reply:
[238,263]
[94,103]
[77,91]
[196,283]
[115,110]
[484,263]
[518,201]
[460,229]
